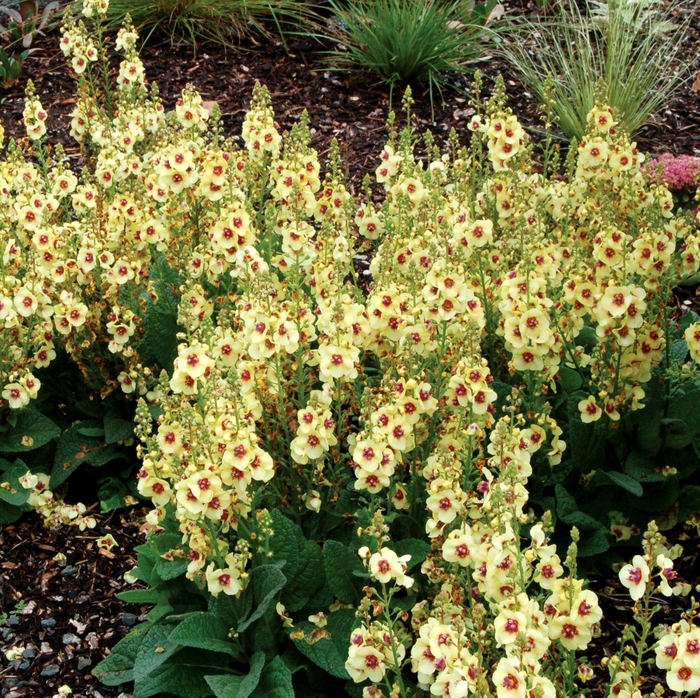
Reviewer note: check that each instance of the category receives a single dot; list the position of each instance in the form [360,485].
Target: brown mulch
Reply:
[72,617]
[64,612]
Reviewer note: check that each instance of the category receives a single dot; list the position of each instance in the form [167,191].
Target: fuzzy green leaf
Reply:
[169,568]
[29,423]
[284,544]
[276,681]
[117,667]
[117,428]
[161,327]
[568,512]
[183,675]
[153,651]
[204,631]
[626,482]
[309,578]
[593,543]
[238,686]
[73,449]
[325,652]
[13,493]
[150,596]
[267,581]
[569,379]
[417,549]
[224,685]
[688,501]
[641,468]
[341,564]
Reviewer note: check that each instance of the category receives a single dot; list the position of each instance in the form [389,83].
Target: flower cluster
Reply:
[678,653]
[676,172]
[54,511]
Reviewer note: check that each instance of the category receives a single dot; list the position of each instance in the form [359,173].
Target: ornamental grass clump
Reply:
[630,53]
[358,492]
[225,22]
[408,41]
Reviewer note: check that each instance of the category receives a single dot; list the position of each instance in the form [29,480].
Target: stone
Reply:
[129,619]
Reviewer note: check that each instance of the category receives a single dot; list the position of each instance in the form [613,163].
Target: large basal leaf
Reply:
[226,686]
[284,544]
[417,549]
[117,428]
[267,581]
[309,578]
[341,564]
[323,652]
[73,449]
[153,651]
[183,675]
[117,667]
[626,482]
[11,490]
[689,501]
[568,512]
[9,513]
[160,322]
[642,468]
[593,543]
[658,496]
[204,631]
[586,445]
[177,564]
[275,682]
[31,430]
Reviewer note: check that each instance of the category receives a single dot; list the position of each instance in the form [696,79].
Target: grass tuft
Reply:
[630,53]
[224,22]
[408,40]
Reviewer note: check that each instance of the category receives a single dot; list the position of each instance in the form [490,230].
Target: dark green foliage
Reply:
[237,645]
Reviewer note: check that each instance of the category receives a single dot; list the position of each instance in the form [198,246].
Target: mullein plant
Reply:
[291,389]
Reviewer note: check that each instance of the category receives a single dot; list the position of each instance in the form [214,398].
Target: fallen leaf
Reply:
[29,608]
[496,14]
[695,87]
[9,566]
[45,578]
[79,627]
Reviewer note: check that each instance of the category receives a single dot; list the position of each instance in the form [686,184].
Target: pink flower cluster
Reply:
[676,172]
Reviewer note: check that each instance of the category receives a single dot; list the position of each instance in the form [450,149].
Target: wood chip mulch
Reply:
[64,611]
